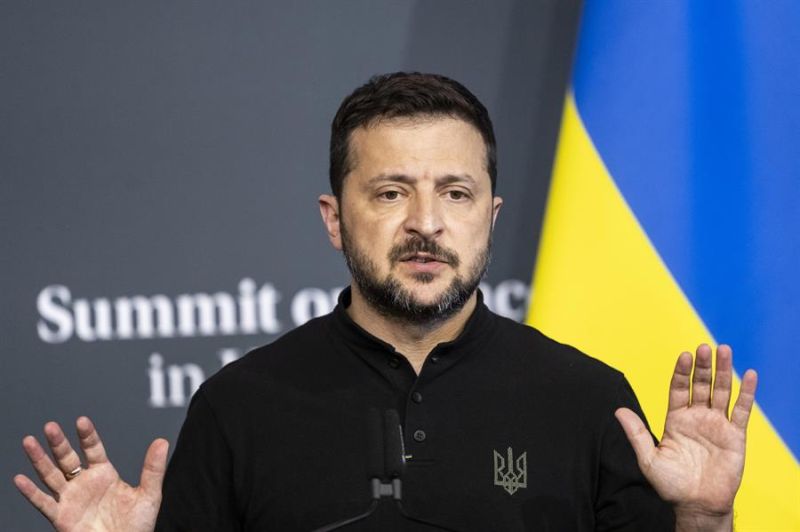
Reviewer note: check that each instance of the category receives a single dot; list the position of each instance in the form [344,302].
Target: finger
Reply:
[42,501]
[90,442]
[679,386]
[52,476]
[701,379]
[66,457]
[637,433]
[723,379]
[744,403]
[155,464]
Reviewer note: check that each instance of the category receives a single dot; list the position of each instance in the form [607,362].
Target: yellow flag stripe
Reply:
[601,286]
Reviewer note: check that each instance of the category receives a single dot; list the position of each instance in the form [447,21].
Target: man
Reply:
[503,428]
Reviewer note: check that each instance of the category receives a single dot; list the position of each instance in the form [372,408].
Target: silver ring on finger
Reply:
[74,473]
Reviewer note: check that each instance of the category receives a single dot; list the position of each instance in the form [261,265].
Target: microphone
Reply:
[376,466]
[375,445]
[394,463]
[394,456]
[386,464]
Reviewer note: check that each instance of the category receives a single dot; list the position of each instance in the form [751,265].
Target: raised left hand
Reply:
[698,464]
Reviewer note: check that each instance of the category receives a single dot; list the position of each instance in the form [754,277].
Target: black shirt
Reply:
[277,440]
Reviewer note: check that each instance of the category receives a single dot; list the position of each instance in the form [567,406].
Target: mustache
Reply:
[423,245]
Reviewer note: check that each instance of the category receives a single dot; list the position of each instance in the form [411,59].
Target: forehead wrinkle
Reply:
[446,179]
[455,178]
[392,178]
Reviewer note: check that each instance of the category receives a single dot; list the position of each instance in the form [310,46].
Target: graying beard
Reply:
[390,299]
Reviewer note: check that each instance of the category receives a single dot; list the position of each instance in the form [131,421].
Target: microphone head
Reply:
[394,456]
[375,445]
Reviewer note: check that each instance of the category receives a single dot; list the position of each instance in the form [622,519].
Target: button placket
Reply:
[417,422]
[416,408]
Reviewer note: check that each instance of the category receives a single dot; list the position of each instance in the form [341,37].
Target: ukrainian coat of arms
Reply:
[510,474]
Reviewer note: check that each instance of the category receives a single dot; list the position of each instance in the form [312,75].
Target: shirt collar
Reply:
[476,329]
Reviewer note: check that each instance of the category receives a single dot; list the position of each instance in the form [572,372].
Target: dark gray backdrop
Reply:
[178,148]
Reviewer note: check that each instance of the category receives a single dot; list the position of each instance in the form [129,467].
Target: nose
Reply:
[424,217]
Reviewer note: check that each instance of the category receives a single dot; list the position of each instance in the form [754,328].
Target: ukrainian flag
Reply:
[674,213]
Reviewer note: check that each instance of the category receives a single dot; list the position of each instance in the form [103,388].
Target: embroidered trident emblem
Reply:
[508,474]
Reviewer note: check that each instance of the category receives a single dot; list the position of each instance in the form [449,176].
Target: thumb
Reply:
[155,464]
[640,438]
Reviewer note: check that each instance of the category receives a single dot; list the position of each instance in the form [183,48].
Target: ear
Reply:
[329,209]
[497,202]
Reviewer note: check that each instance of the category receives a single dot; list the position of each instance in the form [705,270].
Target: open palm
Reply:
[699,462]
[97,499]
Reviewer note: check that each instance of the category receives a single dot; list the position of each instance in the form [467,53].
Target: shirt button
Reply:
[416,397]
[434,359]
[394,362]
[419,435]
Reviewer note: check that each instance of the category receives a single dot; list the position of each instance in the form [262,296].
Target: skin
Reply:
[97,499]
[699,461]
[422,178]
[697,465]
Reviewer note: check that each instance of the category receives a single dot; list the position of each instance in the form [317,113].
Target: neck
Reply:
[413,340]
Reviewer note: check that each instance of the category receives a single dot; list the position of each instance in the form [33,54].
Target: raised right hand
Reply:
[97,499]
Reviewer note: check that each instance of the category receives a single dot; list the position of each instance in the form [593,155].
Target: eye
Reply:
[389,195]
[457,195]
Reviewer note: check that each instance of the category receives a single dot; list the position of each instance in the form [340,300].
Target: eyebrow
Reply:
[406,179]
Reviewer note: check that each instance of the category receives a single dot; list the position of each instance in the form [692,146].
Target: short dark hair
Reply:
[402,95]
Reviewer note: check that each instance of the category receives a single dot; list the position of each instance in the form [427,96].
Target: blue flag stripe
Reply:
[693,106]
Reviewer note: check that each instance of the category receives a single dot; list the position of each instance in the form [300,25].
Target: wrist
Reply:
[695,520]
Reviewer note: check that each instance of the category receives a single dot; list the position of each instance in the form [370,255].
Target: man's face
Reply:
[415,216]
